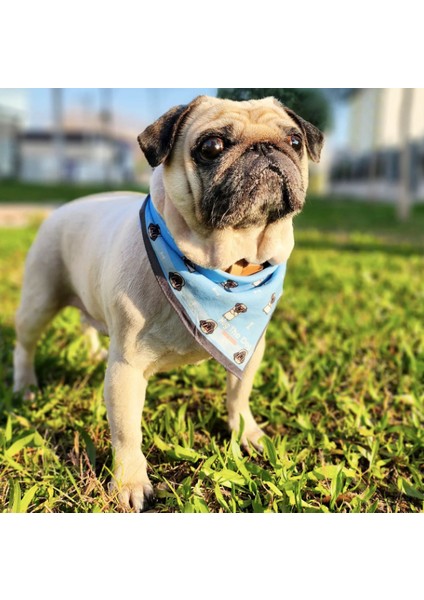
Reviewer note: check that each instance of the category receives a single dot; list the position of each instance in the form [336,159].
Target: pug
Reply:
[228,178]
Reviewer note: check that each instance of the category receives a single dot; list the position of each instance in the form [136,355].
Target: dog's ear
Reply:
[157,139]
[314,137]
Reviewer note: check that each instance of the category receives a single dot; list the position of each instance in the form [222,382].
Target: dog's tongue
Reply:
[243,268]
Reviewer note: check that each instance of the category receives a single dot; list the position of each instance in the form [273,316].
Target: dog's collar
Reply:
[226,315]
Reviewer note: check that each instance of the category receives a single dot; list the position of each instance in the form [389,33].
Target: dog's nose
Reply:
[263,148]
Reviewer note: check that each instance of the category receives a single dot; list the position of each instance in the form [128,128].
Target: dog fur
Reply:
[90,254]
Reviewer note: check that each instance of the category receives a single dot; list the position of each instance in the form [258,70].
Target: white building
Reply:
[87,156]
[382,124]
[13,111]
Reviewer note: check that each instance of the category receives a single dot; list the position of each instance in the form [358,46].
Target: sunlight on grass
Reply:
[340,395]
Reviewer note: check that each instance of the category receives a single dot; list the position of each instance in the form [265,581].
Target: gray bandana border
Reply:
[181,312]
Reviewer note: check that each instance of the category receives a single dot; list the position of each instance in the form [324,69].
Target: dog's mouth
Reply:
[257,190]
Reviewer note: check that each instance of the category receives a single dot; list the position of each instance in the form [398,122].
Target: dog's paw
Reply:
[27,386]
[252,437]
[135,494]
[251,432]
[29,395]
[135,497]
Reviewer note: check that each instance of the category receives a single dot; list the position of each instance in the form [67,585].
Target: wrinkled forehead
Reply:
[252,119]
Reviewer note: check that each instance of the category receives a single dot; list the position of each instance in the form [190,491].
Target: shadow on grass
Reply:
[51,369]
[55,369]
[56,418]
[7,340]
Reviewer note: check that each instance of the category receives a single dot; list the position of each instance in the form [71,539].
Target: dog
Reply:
[228,178]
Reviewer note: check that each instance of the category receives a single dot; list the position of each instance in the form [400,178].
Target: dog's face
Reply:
[233,164]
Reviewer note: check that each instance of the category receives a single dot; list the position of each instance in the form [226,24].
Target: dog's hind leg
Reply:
[31,320]
[238,392]
[39,304]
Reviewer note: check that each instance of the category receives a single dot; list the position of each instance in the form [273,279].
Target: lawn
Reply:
[26,193]
[340,392]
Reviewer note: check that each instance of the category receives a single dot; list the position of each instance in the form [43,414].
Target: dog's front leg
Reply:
[238,392]
[125,389]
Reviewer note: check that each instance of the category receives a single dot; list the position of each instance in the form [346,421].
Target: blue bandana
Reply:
[226,314]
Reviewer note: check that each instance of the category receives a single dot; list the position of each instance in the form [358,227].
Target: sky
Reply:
[132,108]
[134,105]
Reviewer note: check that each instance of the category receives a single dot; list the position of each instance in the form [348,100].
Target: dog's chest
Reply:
[170,343]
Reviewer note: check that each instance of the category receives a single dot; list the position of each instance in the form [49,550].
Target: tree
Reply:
[309,103]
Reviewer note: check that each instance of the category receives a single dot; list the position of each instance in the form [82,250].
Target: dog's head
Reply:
[233,164]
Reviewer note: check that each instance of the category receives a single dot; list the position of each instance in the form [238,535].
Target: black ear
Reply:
[156,140]
[314,137]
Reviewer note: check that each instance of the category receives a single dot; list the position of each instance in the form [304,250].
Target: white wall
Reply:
[374,117]
[92,160]
[14,104]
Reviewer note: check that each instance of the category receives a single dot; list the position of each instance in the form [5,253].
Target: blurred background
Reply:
[343,378]
[56,144]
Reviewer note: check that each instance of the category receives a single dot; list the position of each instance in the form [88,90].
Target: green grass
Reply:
[340,393]
[18,192]
[347,215]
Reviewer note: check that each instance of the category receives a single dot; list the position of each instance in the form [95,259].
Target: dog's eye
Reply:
[211,148]
[295,142]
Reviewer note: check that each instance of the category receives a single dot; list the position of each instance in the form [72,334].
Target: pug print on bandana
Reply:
[227,316]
